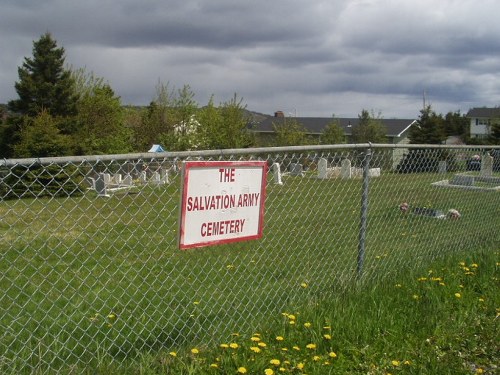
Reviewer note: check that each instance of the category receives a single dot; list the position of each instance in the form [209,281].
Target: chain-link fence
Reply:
[91,269]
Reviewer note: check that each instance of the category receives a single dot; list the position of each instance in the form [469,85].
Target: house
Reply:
[397,129]
[480,121]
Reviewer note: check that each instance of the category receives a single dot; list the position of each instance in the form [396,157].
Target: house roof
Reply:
[316,125]
[484,112]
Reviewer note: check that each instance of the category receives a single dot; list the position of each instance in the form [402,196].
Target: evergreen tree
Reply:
[44,83]
[369,129]
[429,128]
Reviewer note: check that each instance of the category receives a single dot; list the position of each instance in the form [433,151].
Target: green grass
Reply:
[66,264]
[436,320]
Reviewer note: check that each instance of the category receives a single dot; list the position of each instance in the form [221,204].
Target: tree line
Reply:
[64,111]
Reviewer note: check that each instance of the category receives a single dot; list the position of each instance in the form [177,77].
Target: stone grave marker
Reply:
[487,166]
[296,169]
[462,180]
[100,185]
[322,168]
[277,174]
[345,169]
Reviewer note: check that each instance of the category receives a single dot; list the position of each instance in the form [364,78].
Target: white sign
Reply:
[221,202]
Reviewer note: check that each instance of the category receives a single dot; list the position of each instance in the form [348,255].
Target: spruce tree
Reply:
[44,83]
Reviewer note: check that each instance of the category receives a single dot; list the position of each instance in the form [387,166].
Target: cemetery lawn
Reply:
[101,281]
[441,319]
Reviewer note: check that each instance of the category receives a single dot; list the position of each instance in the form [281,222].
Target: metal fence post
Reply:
[364,212]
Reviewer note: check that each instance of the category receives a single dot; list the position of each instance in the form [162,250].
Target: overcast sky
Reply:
[304,57]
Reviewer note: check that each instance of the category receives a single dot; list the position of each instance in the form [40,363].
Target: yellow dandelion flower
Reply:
[214,365]
[236,334]
[316,358]
[481,299]
[224,346]
[279,338]
[474,265]
[407,363]
[479,371]
[255,349]
[395,363]
[311,346]
[195,351]
[242,370]
[284,349]
[332,355]
[292,322]
[291,317]
[327,328]
[256,334]
[196,302]
[307,324]
[326,363]
[173,354]
[303,285]
[233,345]
[262,344]
[300,365]
[398,285]
[268,371]
[296,347]
[112,316]
[458,295]
[275,362]
[282,369]
[415,296]
[327,337]
[255,339]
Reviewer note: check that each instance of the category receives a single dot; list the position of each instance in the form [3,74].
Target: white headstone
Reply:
[322,168]
[277,174]
[143,177]
[117,178]
[107,178]
[100,185]
[164,176]
[345,169]
[374,172]
[487,166]
[156,178]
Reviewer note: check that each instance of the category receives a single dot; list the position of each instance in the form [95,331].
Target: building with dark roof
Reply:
[397,129]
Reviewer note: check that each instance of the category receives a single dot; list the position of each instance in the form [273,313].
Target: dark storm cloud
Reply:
[314,57]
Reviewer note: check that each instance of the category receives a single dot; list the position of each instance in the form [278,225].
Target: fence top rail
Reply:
[229,152]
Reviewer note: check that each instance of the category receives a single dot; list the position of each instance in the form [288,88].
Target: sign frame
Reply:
[192,172]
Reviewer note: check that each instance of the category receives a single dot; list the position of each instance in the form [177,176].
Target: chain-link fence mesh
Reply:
[91,269]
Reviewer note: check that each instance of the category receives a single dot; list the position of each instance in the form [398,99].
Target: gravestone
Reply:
[143,177]
[487,166]
[100,185]
[462,180]
[442,167]
[296,169]
[106,178]
[164,176]
[117,178]
[277,174]
[156,178]
[322,168]
[374,172]
[345,169]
